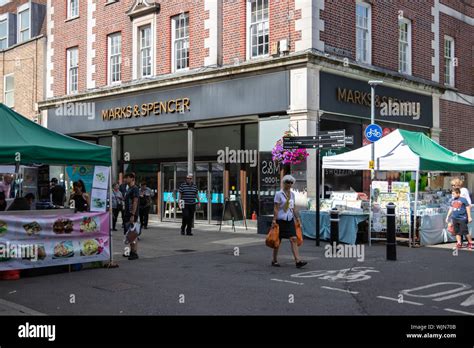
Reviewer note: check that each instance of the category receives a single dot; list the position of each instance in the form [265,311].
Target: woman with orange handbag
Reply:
[284,214]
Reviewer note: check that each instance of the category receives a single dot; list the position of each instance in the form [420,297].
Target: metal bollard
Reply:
[391,240]
[334,215]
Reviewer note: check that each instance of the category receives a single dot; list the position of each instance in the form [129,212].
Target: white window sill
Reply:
[180,70]
[114,84]
[110,2]
[71,19]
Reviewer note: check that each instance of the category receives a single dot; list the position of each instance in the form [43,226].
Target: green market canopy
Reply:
[402,150]
[38,145]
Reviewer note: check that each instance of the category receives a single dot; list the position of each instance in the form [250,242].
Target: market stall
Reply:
[31,239]
[403,151]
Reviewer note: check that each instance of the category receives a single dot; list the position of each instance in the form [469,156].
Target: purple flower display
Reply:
[281,155]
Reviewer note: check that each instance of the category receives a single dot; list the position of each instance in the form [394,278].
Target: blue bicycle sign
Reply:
[373,132]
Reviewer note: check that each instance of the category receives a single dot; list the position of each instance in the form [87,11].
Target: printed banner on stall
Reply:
[53,239]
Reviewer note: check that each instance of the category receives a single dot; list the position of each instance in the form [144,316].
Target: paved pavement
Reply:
[229,273]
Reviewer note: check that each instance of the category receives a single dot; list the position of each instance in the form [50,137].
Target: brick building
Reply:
[170,83]
[22,55]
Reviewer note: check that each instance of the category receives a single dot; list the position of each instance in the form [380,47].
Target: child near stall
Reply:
[460,211]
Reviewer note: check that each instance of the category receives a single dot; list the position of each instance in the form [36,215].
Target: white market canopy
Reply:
[402,150]
[468,154]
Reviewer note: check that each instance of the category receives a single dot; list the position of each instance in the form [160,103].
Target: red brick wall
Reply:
[339,31]
[463,6]
[457,123]
[233,31]
[463,36]
[67,34]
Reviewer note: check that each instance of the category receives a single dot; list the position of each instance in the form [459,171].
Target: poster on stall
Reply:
[50,240]
[101,177]
[81,172]
[98,200]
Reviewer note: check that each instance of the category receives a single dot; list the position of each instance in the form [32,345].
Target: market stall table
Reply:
[348,225]
[433,230]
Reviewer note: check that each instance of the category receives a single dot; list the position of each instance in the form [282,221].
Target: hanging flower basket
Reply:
[283,156]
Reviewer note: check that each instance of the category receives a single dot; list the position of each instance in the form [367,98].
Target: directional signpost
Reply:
[334,139]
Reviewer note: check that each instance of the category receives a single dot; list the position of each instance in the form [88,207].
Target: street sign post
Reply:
[324,140]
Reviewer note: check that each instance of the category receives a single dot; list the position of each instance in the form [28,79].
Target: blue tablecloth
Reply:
[348,224]
[433,230]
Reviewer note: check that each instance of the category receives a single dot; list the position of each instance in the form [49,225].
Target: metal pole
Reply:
[372,121]
[417,178]
[318,222]
[391,238]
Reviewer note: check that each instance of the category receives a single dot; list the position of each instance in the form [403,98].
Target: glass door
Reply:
[169,192]
[201,179]
[217,191]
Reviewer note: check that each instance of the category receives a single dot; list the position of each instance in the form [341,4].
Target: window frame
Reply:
[369,32]
[69,8]
[409,46]
[4,18]
[249,26]
[137,23]
[452,70]
[5,91]
[68,70]
[174,20]
[21,9]
[109,58]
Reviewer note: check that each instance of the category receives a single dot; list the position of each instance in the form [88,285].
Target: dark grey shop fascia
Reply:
[253,95]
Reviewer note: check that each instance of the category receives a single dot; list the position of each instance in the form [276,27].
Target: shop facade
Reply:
[209,128]
[162,129]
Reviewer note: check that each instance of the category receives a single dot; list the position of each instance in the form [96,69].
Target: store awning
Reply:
[468,154]
[402,150]
[35,144]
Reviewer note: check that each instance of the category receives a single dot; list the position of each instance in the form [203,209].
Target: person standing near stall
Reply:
[458,183]
[145,204]
[117,205]
[460,211]
[6,185]
[131,213]
[57,192]
[284,214]
[79,197]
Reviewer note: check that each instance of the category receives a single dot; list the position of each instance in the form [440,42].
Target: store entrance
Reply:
[209,179]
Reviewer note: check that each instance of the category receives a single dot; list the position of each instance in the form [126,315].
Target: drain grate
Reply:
[185,250]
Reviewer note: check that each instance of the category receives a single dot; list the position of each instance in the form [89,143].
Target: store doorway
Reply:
[209,179]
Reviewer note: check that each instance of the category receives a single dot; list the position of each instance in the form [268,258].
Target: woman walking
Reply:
[284,214]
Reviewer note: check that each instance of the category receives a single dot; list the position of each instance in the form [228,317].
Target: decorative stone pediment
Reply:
[143,7]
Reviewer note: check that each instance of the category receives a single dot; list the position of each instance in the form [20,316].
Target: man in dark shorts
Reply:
[188,193]
[460,212]
[130,214]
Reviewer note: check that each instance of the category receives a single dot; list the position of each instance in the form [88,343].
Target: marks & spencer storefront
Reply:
[162,133]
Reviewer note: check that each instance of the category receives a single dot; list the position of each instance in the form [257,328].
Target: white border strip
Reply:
[342,290]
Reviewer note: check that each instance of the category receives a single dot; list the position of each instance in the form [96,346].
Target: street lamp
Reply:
[372,84]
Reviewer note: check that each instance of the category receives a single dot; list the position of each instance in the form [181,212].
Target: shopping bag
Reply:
[451,229]
[273,237]
[133,231]
[299,234]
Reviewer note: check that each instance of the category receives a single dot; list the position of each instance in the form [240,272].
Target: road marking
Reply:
[286,281]
[468,302]
[342,290]
[456,311]
[408,292]
[404,301]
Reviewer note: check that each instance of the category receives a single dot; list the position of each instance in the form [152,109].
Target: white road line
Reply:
[287,281]
[342,290]
[456,311]
[404,301]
